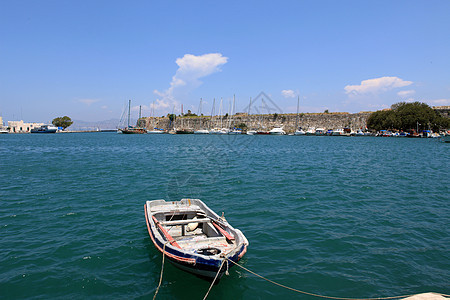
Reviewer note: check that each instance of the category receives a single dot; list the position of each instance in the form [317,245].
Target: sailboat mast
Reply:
[249,107]
[296,121]
[232,110]
[213,112]
[129,109]
[200,114]
[220,111]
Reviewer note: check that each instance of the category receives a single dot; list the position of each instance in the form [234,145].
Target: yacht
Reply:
[299,132]
[44,129]
[338,132]
[201,131]
[320,131]
[277,131]
[155,131]
[311,131]
[218,131]
[235,131]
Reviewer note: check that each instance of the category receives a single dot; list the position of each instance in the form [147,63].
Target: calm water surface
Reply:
[347,217]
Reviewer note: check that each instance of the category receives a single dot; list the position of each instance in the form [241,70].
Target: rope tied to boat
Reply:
[162,270]
[212,283]
[317,295]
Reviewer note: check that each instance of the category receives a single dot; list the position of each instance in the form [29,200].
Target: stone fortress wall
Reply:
[353,121]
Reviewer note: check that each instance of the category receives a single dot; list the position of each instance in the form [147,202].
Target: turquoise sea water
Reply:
[338,216]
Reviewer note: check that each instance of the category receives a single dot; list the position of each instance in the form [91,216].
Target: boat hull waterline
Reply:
[193,237]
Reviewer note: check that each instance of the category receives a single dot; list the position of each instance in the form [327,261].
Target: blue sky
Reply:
[85,59]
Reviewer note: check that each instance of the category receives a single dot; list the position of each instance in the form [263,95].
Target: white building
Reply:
[3,129]
[21,127]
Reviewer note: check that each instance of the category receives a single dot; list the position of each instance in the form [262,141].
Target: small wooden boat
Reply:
[193,237]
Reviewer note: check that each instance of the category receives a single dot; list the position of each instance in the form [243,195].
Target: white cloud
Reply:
[159,104]
[88,102]
[406,94]
[288,93]
[376,85]
[190,69]
[439,102]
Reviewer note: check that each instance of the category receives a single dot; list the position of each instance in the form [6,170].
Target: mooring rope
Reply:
[212,283]
[316,295]
[162,270]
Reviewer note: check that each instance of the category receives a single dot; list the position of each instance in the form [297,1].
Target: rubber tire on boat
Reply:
[208,251]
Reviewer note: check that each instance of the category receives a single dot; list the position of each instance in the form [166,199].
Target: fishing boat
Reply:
[44,129]
[193,237]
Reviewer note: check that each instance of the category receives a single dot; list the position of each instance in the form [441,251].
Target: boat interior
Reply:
[195,232]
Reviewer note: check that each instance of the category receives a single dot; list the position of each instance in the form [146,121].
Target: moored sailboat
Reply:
[131,129]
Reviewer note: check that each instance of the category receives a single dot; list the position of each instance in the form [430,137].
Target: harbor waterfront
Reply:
[343,217]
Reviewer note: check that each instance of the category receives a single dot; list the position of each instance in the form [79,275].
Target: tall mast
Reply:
[129,107]
[213,112]
[296,121]
[249,107]
[220,111]
[233,108]
[200,114]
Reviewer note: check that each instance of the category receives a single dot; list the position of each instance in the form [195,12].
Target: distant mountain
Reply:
[79,125]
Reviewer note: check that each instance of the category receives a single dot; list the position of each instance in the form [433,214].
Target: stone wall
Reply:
[263,122]
[443,110]
[267,122]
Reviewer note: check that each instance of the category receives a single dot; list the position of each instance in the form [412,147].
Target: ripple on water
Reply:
[339,216]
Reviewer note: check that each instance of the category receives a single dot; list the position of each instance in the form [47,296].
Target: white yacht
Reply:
[218,131]
[338,132]
[155,131]
[311,131]
[320,131]
[235,131]
[277,131]
[299,132]
[201,131]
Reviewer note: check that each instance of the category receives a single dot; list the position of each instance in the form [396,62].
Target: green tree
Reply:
[407,116]
[190,114]
[63,122]
[242,126]
[172,117]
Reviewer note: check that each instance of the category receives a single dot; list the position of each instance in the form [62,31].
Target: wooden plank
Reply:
[223,232]
[184,222]
[166,234]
